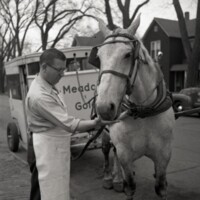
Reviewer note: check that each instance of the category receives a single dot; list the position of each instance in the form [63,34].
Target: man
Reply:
[51,128]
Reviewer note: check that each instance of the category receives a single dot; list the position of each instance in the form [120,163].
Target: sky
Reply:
[163,9]
[155,8]
[160,9]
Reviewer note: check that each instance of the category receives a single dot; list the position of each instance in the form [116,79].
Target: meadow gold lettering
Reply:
[82,88]
[74,89]
[65,90]
[80,106]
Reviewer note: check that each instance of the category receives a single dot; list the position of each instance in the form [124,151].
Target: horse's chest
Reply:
[136,132]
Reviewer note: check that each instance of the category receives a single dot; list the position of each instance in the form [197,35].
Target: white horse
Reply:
[131,81]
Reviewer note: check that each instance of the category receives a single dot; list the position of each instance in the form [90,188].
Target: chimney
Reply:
[187,16]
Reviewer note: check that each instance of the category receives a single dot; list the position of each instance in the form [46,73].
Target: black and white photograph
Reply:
[99,100]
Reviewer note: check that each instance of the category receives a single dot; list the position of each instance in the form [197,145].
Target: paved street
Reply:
[86,173]
[14,174]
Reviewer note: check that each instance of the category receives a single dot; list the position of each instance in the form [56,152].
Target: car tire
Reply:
[13,137]
[176,105]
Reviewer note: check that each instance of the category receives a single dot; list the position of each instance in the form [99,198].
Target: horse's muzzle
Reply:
[107,111]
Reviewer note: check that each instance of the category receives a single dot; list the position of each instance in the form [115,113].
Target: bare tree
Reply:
[192,52]
[7,40]
[52,14]
[127,18]
[6,49]
[18,15]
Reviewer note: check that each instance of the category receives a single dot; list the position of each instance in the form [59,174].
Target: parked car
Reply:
[186,99]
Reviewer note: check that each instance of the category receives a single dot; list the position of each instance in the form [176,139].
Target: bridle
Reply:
[131,76]
[162,100]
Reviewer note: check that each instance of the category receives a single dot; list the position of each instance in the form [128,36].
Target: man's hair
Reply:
[49,55]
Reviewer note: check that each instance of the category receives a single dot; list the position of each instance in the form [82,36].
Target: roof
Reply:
[94,40]
[171,27]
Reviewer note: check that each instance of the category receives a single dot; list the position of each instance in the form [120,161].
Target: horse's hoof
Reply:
[118,186]
[161,190]
[107,184]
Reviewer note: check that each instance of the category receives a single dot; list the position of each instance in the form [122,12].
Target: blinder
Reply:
[93,58]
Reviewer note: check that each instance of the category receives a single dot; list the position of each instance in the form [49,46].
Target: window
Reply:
[155,48]
[155,28]
[33,68]
[14,86]
[74,64]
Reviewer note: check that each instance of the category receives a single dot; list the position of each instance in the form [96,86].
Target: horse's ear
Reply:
[103,28]
[134,25]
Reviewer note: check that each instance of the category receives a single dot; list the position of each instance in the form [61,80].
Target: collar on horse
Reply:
[162,103]
[163,99]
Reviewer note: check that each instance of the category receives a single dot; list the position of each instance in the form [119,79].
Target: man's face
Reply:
[55,71]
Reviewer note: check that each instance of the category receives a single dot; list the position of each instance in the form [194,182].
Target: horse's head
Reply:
[118,69]
[116,56]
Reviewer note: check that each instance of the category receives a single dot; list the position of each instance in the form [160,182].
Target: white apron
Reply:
[52,152]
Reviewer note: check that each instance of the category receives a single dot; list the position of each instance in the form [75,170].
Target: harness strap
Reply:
[116,41]
[114,73]
[124,35]
[162,102]
[132,74]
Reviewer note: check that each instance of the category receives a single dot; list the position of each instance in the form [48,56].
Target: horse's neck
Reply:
[144,90]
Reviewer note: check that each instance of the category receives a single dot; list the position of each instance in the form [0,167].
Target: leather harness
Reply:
[163,100]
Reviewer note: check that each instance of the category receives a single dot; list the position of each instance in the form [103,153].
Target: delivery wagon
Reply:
[78,86]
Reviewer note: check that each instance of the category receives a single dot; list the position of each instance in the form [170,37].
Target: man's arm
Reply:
[50,110]
[56,114]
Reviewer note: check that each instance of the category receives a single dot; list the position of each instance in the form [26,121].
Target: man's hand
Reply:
[100,122]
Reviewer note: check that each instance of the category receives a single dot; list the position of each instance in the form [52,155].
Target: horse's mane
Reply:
[144,54]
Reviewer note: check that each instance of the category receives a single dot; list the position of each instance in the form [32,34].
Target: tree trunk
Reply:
[111,25]
[183,29]
[193,67]
[192,54]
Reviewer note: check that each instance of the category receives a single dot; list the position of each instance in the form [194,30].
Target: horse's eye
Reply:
[128,55]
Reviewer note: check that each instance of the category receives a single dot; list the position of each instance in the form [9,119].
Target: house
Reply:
[164,35]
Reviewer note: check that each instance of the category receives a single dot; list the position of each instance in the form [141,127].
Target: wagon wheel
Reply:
[13,137]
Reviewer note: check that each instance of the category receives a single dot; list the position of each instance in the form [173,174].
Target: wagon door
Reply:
[17,91]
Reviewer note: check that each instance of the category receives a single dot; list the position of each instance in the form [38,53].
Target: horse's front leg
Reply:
[161,163]
[106,145]
[126,163]
[118,182]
